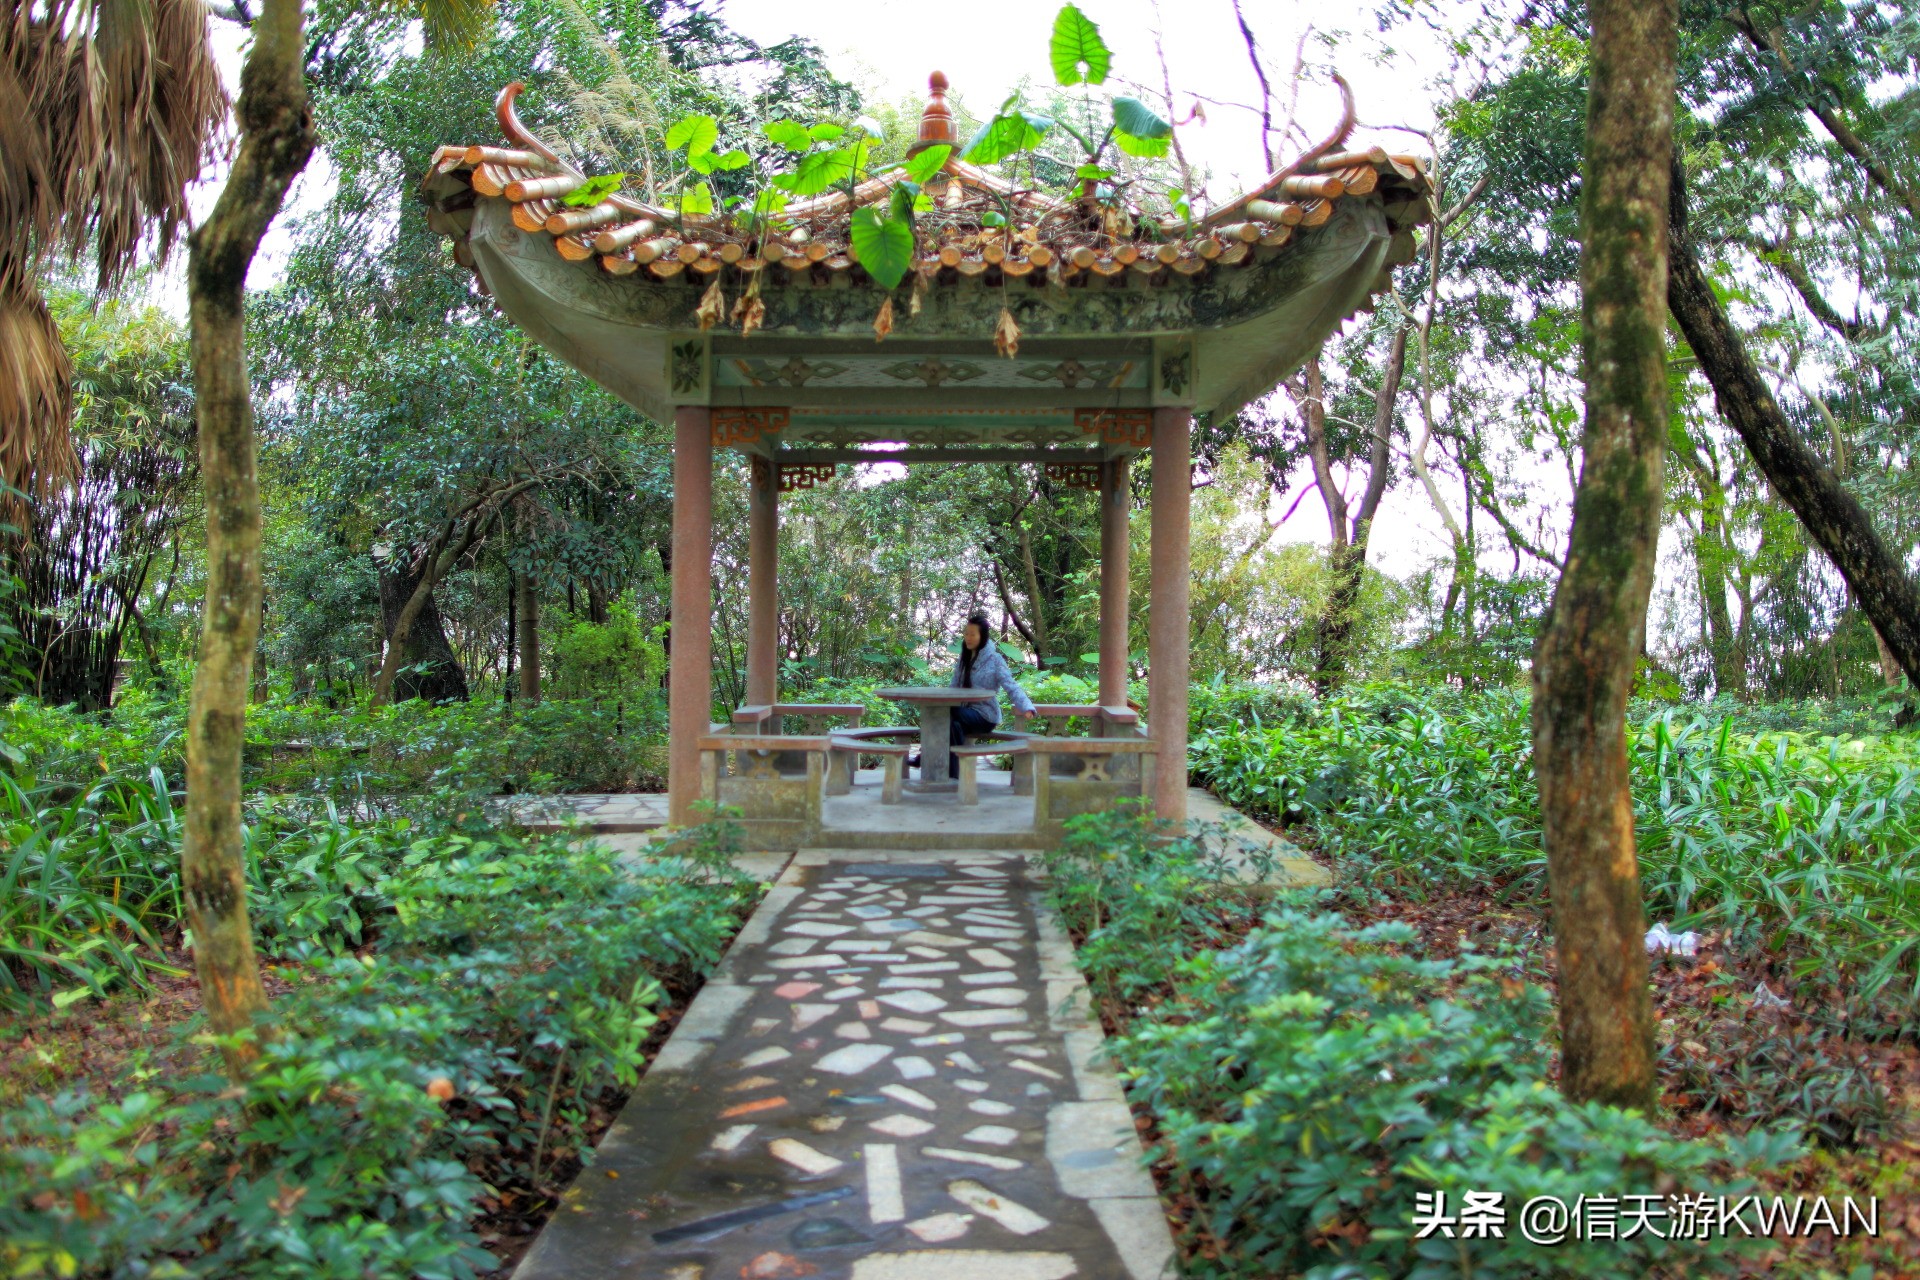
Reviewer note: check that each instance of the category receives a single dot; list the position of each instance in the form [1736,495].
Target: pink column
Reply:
[1168,593]
[763,584]
[1114,499]
[690,670]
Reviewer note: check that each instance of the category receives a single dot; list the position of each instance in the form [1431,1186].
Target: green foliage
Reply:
[614,659]
[593,190]
[1795,846]
[521,974]
[883,244]
[1007,135]
[1311,1078]
[1078,54]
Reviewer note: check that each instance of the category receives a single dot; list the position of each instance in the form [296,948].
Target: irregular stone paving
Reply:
[891,1077]
[608,811]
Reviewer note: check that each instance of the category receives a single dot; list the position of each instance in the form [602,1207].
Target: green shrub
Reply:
[519,973]
[1312,1079]
[1797,848]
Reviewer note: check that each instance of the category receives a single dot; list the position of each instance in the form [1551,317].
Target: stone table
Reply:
[935,705]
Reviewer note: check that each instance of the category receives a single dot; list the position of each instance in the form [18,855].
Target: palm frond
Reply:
[109,109]
[36,401]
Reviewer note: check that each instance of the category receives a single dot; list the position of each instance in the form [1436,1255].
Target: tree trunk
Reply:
[419,662]
[1835,518]
[1584,666]
[529,623]
[276,137]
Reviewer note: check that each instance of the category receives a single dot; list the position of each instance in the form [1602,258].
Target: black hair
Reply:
[968,655]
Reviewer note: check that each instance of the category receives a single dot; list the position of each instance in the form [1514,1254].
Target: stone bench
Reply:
[967,759]
[777,809]
[767,718]
[1103,721]
[891,745]
[1094,773]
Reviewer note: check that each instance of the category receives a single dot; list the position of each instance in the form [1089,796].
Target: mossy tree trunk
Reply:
[276,137]
[1584,666]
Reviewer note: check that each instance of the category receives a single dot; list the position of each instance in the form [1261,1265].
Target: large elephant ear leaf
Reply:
[1078,53]
[883,245]
[1139,129]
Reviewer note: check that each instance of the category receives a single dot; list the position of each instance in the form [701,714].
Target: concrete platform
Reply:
[931,821]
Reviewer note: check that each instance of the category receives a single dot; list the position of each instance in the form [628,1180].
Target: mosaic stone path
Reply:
[892,1077]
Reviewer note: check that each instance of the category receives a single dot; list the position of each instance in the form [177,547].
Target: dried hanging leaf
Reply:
[1116,222]
[749,312]
[883,323]
[917,296]
[713,305]
[1006,334]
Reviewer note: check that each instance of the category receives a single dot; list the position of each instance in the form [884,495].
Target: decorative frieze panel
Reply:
[805,475]
[745,426]
[1121,428]
[1074,475]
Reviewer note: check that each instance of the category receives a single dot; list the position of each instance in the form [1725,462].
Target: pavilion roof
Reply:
[1050,240]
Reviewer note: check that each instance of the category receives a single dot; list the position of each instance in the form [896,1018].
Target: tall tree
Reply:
[1584,666]
[276,137]
[1833,515]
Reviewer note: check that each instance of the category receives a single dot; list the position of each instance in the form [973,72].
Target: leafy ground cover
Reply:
[359,756]
[1794,846]
[443,1055]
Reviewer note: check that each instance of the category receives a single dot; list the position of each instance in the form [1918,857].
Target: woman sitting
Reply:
[980,666]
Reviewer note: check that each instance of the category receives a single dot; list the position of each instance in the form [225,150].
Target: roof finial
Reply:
[936,122]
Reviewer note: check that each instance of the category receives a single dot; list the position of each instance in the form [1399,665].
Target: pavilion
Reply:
[1076,337]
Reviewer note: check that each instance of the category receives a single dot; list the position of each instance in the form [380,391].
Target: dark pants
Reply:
[967,718]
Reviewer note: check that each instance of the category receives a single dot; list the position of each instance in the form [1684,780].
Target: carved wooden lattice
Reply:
[733,426]
[1074,475]
[804,475]
[1125,428]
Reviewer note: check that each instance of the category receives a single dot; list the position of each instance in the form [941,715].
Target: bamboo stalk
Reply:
[491,180]
[1277,237]
[521,189]
[689,251]
[477,156]
[1315,212]
[1301,187]
[531,216]
[816,252]
[648,250]
[1127,254]
[1360,179]
[574,248]
[1245,232]
[950,255]
[1207,247]
[1040,255]
[1168,252]
[1351,159]
[1082,256]
[731,252]
[619,264]
[1238,251]
[1287,215]
[614,239]
[562,221]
